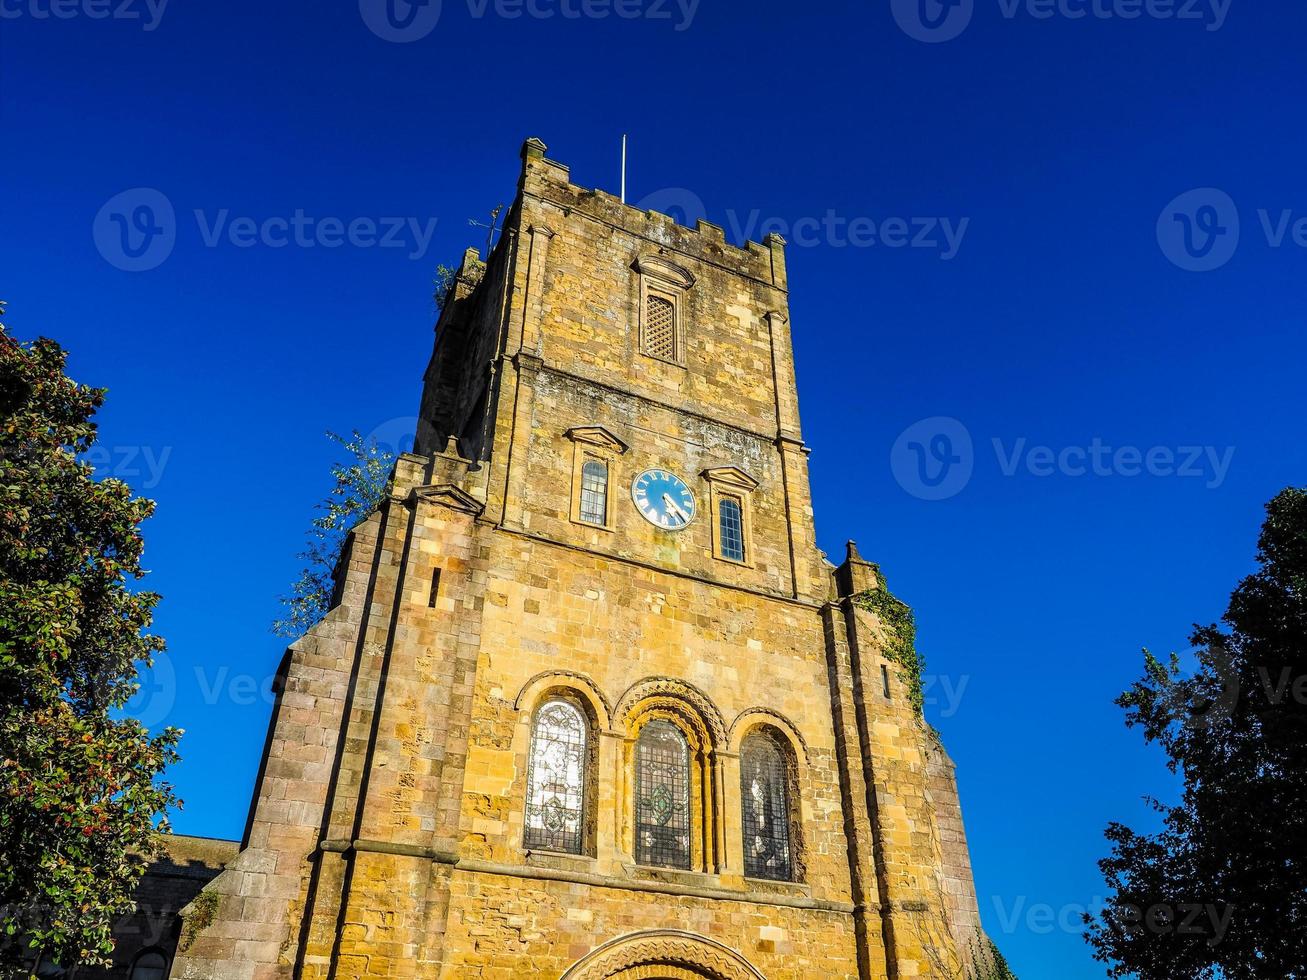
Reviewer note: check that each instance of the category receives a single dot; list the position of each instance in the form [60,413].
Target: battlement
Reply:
[550,181]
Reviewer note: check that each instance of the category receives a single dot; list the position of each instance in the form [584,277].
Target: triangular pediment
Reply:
[732,476]
[596,435]
[448,495]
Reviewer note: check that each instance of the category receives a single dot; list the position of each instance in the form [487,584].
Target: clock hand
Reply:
[672,506]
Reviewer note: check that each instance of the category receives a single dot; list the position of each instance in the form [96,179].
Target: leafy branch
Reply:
[361,482]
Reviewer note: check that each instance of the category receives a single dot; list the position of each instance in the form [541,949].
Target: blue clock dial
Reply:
[663,499]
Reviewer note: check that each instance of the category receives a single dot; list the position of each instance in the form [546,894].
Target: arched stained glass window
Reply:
[150,965]
[764,791]
[555,796]
[594,492]
[662,797]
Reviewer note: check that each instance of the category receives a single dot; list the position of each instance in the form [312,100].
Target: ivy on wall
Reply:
[900,630]
[203,911]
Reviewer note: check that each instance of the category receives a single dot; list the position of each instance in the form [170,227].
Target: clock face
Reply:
[663,499]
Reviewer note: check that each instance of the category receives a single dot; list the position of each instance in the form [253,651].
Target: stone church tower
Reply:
[590,703]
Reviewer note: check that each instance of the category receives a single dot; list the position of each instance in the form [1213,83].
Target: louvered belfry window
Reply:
[555,795]
[662,797]
[660,327]
[766,818]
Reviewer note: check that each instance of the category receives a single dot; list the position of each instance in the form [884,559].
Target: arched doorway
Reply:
[663,954]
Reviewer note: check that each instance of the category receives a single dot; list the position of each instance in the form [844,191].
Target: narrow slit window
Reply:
[884,679]
[660,327]
[555,801]
[730,516]
[766,818]
[662,797]
[594,492]
[435,589]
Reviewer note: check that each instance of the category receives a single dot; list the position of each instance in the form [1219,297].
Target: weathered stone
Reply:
[387,837]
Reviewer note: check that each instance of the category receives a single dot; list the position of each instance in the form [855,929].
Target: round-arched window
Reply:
[555,793]
[150,965]
[765,797]
[662,796]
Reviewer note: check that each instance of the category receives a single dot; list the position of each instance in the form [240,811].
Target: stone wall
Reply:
[386,838]
[171,881]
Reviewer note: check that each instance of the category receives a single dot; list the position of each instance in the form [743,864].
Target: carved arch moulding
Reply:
[663,953]
[670,687]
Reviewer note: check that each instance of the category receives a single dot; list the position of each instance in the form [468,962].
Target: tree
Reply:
[361,483]
[1221,889]
[80,800]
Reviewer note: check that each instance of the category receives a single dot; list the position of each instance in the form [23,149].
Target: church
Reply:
[590,703]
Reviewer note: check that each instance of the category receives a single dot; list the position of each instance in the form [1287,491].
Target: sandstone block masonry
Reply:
[529,739]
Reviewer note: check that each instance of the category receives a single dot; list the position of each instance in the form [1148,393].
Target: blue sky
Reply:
[1059,328]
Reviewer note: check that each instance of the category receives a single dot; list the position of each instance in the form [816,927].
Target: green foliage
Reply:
[441,284]
[900,637]
[204,909]
[79,800]
[1221,889]
[988,962]
[361,481]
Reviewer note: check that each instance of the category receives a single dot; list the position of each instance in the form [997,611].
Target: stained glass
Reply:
[766,818]
[662,797]
[555,801]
